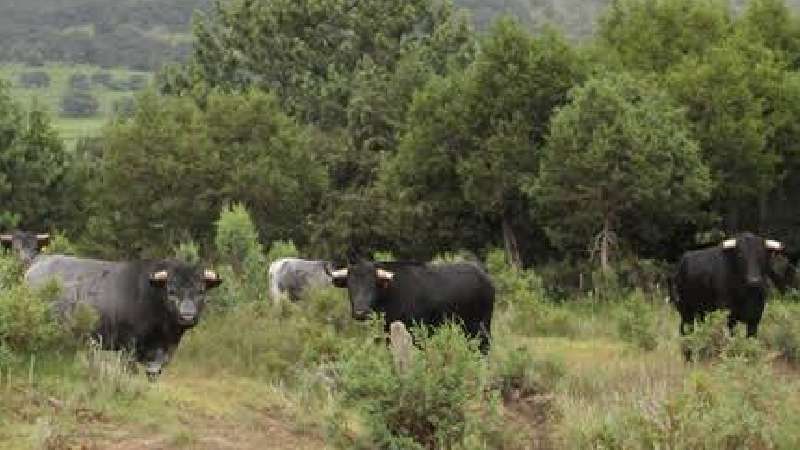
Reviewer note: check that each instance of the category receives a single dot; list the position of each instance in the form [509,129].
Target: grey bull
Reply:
[291,276]
[143,306]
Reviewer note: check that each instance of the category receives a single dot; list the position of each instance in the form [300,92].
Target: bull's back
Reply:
[82,280]
[463,289]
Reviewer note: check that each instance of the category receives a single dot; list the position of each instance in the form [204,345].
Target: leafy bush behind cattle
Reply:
[636,322]
[27,321]
[238,248]
[282,249]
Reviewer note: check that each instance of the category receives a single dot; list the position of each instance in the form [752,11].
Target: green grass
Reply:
[251,378]
[71,129]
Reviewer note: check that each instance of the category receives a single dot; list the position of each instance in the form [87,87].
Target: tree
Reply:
[735,100]
[33,167]
[619,149]
[165,174]
[652,35]
[471,137]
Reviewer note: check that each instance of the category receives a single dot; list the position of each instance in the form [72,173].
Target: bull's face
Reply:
[24,245]
[183,290]
[362,280]
[751,255]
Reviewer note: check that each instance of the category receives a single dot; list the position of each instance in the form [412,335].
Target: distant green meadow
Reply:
[49,98]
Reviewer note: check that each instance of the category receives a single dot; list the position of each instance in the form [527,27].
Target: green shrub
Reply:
[735,405]
[59,244]
[238,247]
[27,322]
[636,322]
[518,373]
[282,249]
[438,401]
[11,271]
[780,330]
[712,339]
[256,339]
[541,318]
[188,252]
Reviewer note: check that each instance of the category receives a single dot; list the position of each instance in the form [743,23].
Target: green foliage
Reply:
[282,249]
[735,404]
[654,35]
[27,324]
[181,164]
[712,339]
[257,340]
[621,148]
[780,330]
[471,136]
[519,374]
[636,323]
[60,244]
[237,246]
[188,251]
[33,166]
[432,404]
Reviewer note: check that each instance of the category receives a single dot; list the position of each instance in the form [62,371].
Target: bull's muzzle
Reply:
[153,370]
[187,313]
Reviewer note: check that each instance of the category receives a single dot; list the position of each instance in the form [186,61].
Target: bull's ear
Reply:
[211,278]
[159,278]
[42,240]
[6,239]
[339,278]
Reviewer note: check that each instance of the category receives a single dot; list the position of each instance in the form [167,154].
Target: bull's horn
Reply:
[210,275]
[43,236]
[6,237]
[384,274]
[341,273]
[773,245]
[159,276]
[729,243]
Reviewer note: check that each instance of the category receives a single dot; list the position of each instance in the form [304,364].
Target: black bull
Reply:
[732,276]
[143,306]
[418,293]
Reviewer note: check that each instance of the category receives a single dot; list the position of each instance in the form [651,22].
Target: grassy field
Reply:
[50,97]
[568,376]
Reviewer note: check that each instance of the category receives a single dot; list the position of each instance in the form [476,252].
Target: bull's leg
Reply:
[732,323]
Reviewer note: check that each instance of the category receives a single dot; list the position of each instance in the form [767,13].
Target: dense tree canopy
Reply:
[620,149]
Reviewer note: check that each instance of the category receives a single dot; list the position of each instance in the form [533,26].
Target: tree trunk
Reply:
[605,244]
[510,240]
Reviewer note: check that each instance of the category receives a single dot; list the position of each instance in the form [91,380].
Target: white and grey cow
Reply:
[289,277]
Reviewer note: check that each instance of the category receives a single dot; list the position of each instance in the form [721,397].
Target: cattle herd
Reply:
[145,307]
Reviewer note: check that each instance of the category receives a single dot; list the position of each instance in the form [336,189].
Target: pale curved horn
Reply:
[384,274]
[42,236]
[6,237]
[210,275]
[773,245]
[341,273]
[729,243]
[159,276]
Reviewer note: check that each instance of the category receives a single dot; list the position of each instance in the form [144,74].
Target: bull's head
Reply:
[183,289]
[24,245]
[751,255]
[363,281]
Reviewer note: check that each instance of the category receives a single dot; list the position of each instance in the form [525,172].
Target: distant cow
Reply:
[291,276]
[24,245]
[732,276]
[143,306]
[412,292]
